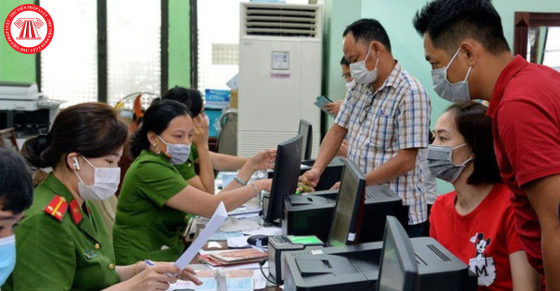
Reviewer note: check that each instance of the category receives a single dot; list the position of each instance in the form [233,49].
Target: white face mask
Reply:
[105,183]
[360,72]
[350,85]
[7,257]
[457,92]
[179,153]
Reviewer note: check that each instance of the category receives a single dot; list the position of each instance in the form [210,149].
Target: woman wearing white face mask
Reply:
[16,195]
[155,197]
[476,221]
[62,242]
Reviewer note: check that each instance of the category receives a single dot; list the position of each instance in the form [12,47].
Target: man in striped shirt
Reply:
[386,117]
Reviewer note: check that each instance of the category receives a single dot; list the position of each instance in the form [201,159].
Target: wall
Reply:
[14,66]
[18,67]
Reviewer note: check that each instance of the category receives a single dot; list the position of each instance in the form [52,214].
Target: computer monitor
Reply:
[398,270]
[306,130]
[349,207]
[284,179]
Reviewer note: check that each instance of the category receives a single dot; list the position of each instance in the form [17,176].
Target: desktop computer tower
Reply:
[313,214]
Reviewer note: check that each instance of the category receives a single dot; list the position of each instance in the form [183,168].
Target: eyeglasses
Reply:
[365,110]
[346,76]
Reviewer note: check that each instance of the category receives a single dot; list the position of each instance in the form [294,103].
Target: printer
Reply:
[22,106]
[312,214]
[356,267]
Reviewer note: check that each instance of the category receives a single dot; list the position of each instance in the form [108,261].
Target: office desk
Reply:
[211,246]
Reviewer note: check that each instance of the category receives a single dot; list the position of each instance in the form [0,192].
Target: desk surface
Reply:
[212,246]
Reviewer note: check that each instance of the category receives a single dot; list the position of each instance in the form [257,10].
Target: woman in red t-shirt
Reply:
[476,221]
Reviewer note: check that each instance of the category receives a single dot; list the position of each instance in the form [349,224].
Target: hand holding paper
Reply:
[220,215]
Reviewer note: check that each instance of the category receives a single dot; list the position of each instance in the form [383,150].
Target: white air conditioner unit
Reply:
[280,69]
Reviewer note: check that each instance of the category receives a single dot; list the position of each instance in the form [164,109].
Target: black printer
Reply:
[356,267]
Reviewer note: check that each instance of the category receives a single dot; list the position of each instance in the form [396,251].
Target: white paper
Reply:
[238,242]
[220,215]
[265,230]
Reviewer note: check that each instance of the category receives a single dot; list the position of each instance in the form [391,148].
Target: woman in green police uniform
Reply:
[62,242]
[208,161]
[155,198]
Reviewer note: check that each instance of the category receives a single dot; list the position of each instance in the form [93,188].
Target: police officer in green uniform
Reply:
[62,242]
[155,198]
[208,161]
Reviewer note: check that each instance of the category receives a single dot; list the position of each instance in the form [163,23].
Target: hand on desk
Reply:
[263,184]
[156,278]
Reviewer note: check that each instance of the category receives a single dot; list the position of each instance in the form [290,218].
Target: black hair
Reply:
[91,129]
[344,62]
[476,128]
[16,184]
[156,120]
[448,22]
[192,98]
[367,30]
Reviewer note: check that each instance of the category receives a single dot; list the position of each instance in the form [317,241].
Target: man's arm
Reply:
[329,147]
[327,151]
[544,195]
[397,166]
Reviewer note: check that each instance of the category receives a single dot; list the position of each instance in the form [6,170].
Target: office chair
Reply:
[227,138]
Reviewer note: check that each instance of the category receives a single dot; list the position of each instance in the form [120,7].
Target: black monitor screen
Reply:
[306,130]
[285,177]
[398,270]
[349,206]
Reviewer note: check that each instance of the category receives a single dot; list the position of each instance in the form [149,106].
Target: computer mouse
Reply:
[259,240]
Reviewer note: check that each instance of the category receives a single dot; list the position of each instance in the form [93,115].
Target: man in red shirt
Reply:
[470,58]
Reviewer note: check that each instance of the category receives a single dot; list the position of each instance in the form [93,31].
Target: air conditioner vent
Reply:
[280,20]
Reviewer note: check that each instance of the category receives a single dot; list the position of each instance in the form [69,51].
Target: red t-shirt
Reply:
[482,239]
[525,109]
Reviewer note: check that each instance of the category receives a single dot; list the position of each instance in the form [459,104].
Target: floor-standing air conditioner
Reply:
[280,73]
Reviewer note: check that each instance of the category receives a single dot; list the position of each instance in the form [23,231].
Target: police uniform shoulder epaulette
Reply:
[57,207]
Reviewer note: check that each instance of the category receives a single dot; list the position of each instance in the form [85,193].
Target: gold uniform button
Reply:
[111,266]
[97,246]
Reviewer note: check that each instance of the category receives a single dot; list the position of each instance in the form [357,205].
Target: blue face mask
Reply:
[456,92]
[7,257]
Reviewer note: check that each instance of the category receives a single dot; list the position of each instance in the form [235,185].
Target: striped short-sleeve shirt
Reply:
[396,116]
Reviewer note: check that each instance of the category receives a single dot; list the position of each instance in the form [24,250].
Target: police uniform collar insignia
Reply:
[75,212]
[57,207]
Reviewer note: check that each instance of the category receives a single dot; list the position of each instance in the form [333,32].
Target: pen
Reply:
[149,263]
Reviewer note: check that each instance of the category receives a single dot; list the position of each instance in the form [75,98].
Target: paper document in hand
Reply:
[220,215]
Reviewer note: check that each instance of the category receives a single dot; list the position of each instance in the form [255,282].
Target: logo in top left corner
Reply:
[29,29]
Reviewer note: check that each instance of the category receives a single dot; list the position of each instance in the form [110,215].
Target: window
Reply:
[70,65]
[133,48]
